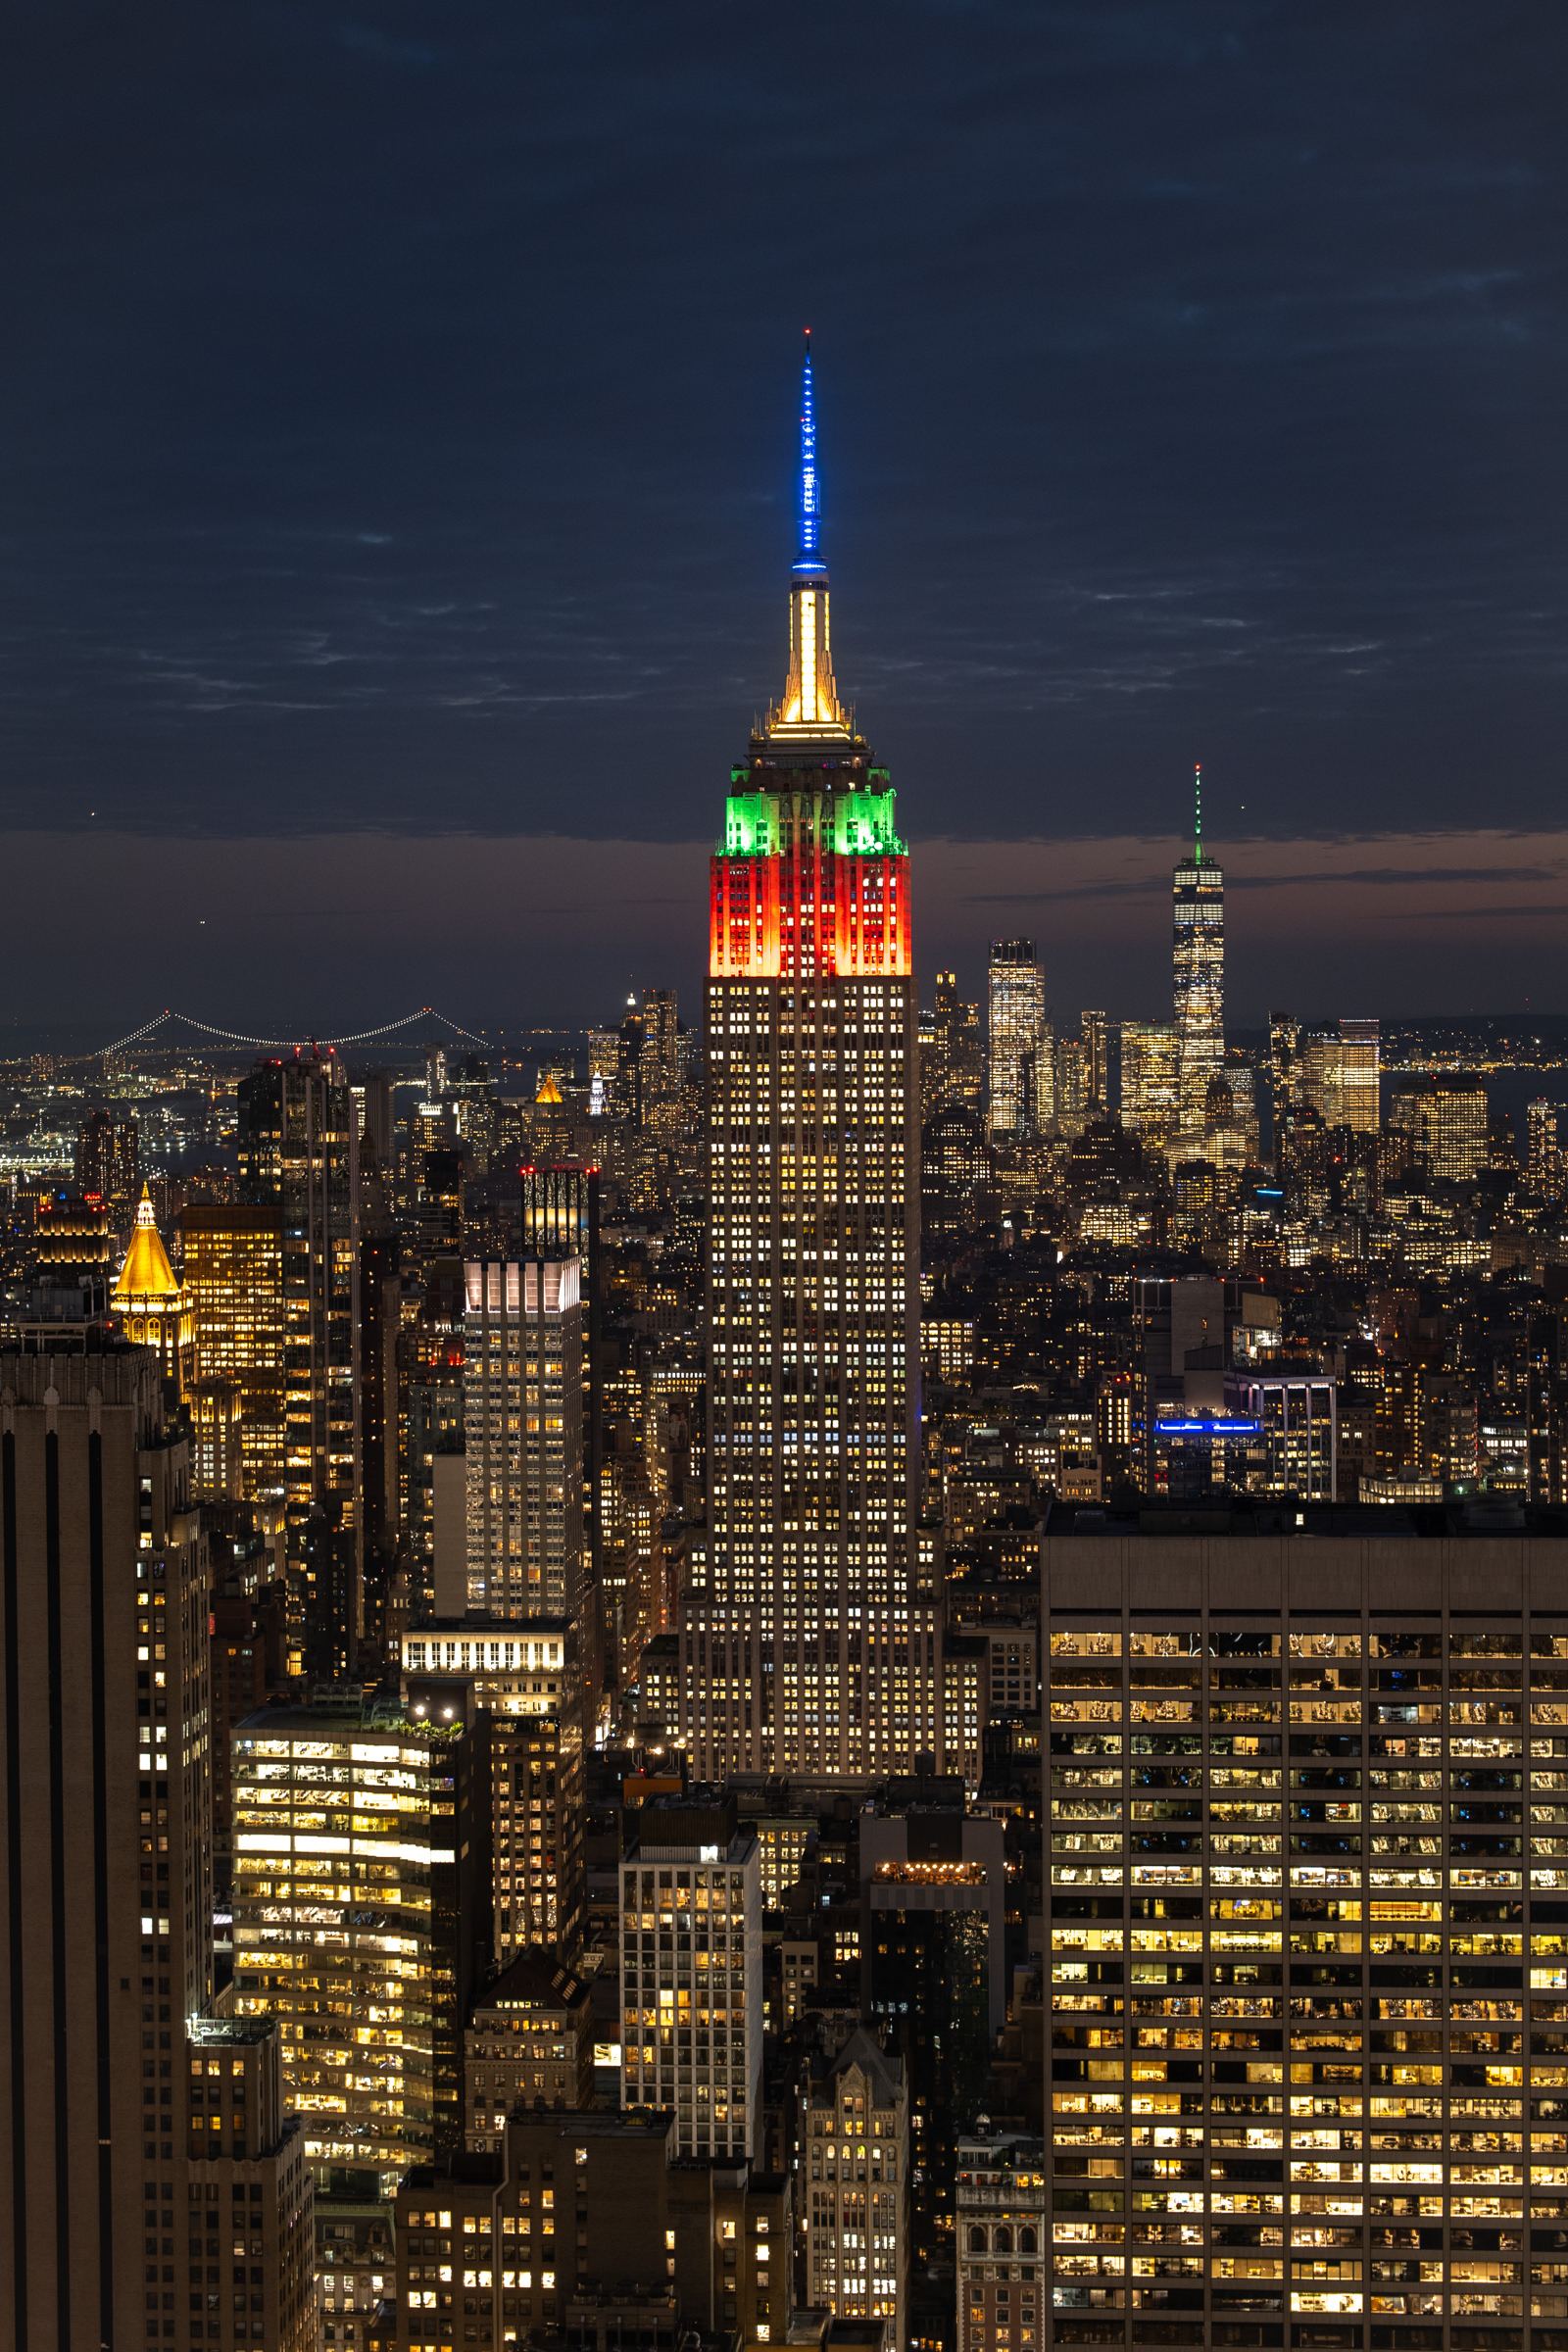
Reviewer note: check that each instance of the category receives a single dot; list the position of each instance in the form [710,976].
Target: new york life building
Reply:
[802,1647]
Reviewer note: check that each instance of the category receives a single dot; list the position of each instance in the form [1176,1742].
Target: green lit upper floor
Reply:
[850,807]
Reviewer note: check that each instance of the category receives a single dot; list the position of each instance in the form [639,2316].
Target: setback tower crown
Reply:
[811,880]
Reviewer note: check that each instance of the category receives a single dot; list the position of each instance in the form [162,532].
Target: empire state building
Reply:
[804,1647]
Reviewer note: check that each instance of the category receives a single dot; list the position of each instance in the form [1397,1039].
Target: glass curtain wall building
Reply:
[1018,1023]
[1198,959]
[351,1927]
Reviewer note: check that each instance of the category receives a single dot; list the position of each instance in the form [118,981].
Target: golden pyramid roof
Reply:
[549,1091]
[146,1272]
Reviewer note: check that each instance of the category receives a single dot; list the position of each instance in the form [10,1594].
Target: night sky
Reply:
[396,424]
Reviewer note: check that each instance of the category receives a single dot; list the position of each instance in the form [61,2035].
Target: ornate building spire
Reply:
[811,704]
[808,561]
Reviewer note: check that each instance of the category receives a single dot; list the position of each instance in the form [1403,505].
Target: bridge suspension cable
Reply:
[237,1037]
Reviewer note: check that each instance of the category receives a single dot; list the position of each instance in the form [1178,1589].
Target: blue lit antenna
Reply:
[809,557]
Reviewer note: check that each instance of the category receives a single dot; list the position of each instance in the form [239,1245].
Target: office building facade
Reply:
[297,1141]
[1308,1924]
[156,2188]
[1445,1118]
[234,1275]
[802,1647]
[1151,1089]
[356,1908]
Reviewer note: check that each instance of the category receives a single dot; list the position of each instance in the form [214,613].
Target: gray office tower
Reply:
[1307,1921]
[157,2191]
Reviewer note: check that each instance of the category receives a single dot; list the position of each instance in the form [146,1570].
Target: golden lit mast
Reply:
[810,703]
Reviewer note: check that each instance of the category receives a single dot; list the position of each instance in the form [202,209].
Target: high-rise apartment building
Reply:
[803,1645]
[954,1169]
[1017,1021]
[536,1835]
[1295,1448]
[937,1026]
[1198,958]
[358,1902]
[690,1971]
[1307,1922]
[73,1253]
[158,2192]
[522,1420]
[559,1210]
[1070,1092]
[1045,1106]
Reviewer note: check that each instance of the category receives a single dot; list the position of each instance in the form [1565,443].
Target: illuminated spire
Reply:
[146,1272]
[1197,813]
[809,560]
[810,702]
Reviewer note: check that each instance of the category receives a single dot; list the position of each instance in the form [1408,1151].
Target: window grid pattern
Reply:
[1308,1930]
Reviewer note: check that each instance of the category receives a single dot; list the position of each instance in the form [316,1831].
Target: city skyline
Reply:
[799,1582]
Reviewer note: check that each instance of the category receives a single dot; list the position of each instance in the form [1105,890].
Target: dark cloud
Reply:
[396,404]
